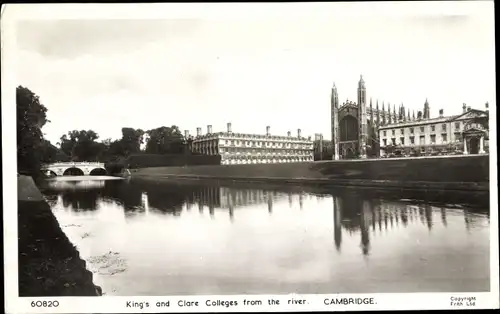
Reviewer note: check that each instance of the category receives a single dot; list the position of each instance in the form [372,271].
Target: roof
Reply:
[417,122]
[255,136]
[470,114]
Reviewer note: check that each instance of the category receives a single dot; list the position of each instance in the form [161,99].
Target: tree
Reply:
[81,145]
[68,142]
[131,140]
[165,140]
[116,149]
[50,153]
[389,149]
[31,117]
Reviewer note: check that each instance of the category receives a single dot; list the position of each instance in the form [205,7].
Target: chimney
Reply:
[441,111]
[186,133]
[419,115]
[487,106]
[229,127]
[309,138]
[468,108]
[198,131]
[464,108]
[268,131]
[209,129]
[289,133]
[299,133]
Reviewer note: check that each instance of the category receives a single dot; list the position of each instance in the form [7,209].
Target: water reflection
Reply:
[83,185]
[351,212]
[280,229]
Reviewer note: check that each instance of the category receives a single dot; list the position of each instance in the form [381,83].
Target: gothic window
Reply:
[349,129]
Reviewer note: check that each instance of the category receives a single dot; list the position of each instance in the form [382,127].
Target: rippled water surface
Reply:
[201,238]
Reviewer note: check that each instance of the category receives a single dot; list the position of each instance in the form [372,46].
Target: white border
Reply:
[405,301]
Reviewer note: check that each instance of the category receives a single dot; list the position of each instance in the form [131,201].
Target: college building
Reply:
[465,133]
[240,148]
[361,130]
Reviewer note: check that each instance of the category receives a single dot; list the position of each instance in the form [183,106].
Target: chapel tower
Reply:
[363,129]
[335,122]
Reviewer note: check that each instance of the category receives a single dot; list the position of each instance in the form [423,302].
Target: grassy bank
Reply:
[460,173]
[49,265]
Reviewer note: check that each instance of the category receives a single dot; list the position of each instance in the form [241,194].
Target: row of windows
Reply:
[265,161]
[422,129]
[268,144]
[444,139]
[266,151]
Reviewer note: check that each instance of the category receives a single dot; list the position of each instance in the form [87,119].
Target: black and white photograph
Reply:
[249,157]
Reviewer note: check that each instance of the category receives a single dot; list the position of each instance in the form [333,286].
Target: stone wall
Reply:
[49,264]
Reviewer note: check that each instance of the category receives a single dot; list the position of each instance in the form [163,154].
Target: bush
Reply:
[114,167]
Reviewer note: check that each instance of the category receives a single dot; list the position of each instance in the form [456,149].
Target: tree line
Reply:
[82,145]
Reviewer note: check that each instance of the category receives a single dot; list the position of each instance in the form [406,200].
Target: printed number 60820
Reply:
[44,303]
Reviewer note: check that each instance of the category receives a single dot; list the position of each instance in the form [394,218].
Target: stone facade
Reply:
[241,148]
[466,133]
[355,125]
[368,131]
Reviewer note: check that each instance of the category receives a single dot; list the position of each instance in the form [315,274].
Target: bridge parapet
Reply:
[74,164]
[59,168]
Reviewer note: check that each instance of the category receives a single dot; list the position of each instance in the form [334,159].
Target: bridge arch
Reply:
[98,172]
[73,171]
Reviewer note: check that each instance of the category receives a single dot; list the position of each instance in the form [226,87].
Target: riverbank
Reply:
[461,173]
[49,264]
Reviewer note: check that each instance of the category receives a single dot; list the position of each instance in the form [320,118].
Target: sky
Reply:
[253,69]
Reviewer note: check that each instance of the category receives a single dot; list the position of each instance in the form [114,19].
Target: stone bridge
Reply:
[74,168]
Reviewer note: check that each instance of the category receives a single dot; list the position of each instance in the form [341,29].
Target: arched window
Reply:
[348,129]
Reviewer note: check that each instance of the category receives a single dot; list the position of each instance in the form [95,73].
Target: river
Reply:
[194,238]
